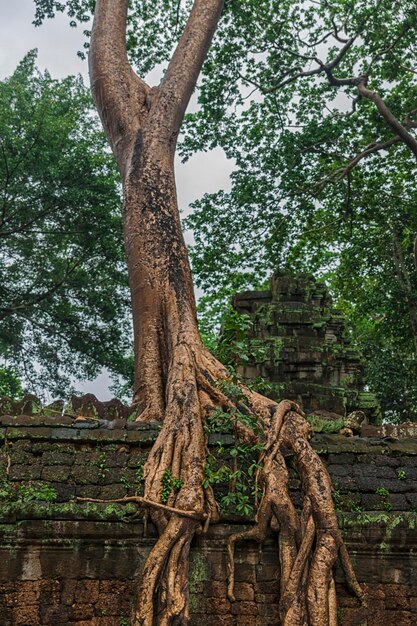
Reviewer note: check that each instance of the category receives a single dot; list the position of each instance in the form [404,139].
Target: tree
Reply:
[176,379]
[10,385]
[63,290]
[314,97]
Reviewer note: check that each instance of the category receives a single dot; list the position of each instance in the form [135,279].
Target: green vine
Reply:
[241,490]
[169,485]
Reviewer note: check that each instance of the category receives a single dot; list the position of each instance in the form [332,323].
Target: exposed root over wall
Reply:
[309,542]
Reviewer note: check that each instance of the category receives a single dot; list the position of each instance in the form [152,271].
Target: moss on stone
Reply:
[198,574]
[322,425]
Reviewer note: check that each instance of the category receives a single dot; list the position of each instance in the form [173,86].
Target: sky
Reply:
[57,45]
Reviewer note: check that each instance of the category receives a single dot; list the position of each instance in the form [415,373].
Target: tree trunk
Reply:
[404,281]
[164,312]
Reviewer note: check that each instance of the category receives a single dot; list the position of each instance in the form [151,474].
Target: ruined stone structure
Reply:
[66,563]
[299,343]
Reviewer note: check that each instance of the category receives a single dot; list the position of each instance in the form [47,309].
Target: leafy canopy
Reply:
[63,293]
[321,182]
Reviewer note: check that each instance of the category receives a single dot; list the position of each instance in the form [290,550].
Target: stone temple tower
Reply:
[299,344]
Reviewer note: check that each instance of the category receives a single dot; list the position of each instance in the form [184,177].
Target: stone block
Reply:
[388,618]
[68,592]
[244,592]
[336,470]
[64,491]
[216,588]
[265,573]
[245,572]
[342,458]
[87,591]
[111,492]
[85,474]
[270,612]
[267,598]
[217,606]
[25,472]
[81,611]
[108,603]
[56,473]
[244,608]
[267,587]
[26,615]
[52,457]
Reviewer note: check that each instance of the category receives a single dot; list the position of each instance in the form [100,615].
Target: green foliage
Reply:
[18,493]
[10,385]
[140,474]
[294,204]
[384,494]
[234,347]
[346,501]
[63,288]
[242,488]
[233,343]
[125,481]
[321,425]
[102,465]
[169,485]
[401,474]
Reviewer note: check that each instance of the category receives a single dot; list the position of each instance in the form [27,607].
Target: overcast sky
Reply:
[57,46]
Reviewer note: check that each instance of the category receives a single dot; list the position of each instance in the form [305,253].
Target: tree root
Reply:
[148,504]
[308,546]
[180,507]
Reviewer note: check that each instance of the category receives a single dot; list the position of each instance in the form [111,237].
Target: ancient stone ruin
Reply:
[299,343]
[66,562]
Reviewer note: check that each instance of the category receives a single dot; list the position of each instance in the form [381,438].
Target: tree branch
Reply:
[322,68]
[119,94]
[370,149]
[174,93]
[23,306]
[389,117]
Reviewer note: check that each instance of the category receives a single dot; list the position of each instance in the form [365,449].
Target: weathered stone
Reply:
[90,543]
[85,474]
[52,457]
[244,608]
[298,339]
[244,592]
[56,473]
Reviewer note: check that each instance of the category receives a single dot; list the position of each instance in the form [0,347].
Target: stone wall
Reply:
[67,563]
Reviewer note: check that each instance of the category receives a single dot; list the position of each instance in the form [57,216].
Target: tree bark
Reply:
[142,126]
[404,281]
